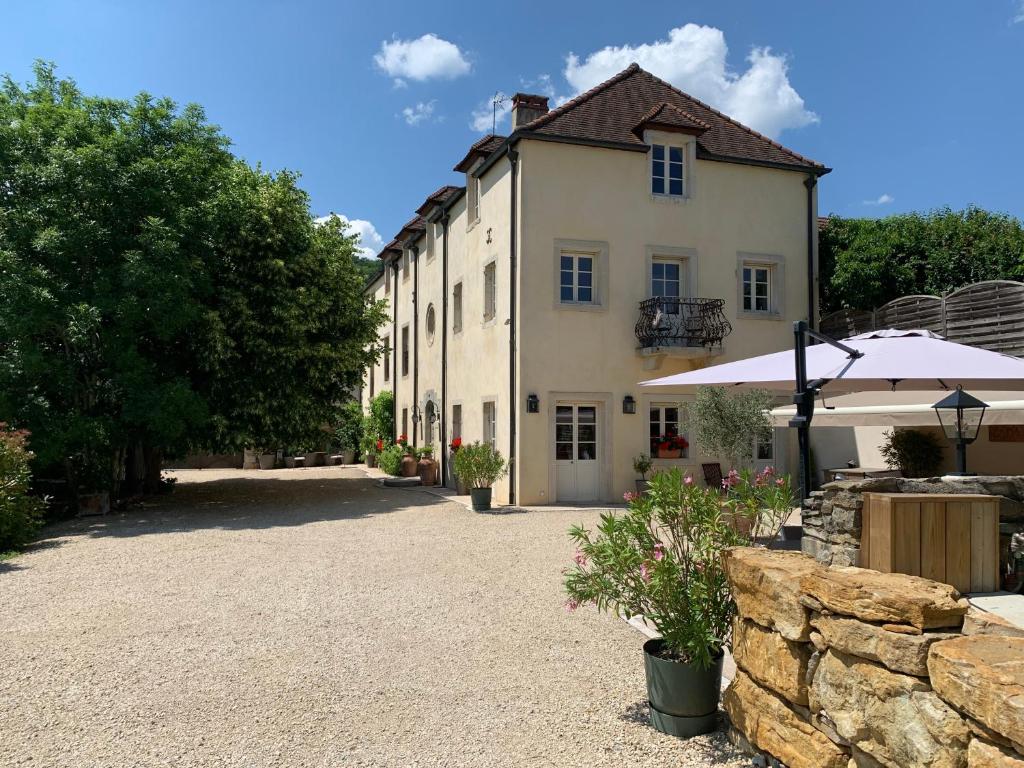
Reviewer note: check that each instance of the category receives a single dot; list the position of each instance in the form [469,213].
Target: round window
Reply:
[431,323]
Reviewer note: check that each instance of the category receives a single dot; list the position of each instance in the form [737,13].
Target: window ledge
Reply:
[749,314]
[580,307]
[489,322]
[669,199]
[472,225]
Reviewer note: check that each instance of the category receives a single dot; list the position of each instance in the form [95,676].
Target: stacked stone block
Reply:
[843,667]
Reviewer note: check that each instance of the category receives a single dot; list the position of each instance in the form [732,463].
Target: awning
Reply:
[899,409]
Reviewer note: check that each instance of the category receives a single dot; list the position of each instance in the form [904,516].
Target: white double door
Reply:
[577,443]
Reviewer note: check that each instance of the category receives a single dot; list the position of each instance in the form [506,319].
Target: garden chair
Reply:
[712,474]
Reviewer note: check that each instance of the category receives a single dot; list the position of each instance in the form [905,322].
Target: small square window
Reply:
[576,278]
[757,288]
[667,170]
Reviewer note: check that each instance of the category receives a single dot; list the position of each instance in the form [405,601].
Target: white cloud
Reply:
[422,111]
[482,119]
[370,241]
[883,199]
[425,58]
[693,58]
[486,115]
[1019,18]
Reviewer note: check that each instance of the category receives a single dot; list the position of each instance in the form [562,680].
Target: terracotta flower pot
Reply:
[427,470]
[670,453]
[408,466]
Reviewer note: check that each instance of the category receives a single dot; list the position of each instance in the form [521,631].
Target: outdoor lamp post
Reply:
[960,415]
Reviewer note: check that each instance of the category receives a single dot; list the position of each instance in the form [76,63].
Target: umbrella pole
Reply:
[803,398]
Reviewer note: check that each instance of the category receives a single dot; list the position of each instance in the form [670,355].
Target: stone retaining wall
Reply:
[832,516]
[843,667]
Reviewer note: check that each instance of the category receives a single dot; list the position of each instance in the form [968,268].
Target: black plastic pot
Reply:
[683,697]
[481,499]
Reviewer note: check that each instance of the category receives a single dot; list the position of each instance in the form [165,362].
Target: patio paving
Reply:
[312,618]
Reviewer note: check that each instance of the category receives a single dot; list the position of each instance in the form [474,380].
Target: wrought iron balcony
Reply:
[667,321]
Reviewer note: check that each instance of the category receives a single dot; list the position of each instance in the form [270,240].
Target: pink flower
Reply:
[644,573]
[629,497]
[580,558]
[659,551]
[688,480]
[780,481]
[571,605]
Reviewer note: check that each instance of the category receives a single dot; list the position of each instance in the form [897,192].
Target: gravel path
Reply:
[312,618]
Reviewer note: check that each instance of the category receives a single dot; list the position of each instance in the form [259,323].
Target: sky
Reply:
[915,104]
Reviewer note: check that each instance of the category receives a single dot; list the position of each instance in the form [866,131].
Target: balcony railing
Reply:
[667,321]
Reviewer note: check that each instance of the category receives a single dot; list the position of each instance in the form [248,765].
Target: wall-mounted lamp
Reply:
[628,404]
[532,403]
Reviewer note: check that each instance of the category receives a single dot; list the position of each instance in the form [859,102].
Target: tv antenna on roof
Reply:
[499,98]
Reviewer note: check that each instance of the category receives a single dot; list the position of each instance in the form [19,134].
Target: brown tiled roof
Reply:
[440,197]
[609,112]
[671,117]
[481,148]
[392,247]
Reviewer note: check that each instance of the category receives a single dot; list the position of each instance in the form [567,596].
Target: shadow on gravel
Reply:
[249,503]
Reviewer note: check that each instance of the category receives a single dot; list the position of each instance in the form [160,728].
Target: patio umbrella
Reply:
[889,359]
[880,361]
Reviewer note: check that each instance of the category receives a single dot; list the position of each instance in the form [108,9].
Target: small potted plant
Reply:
[460,486]
[672,446]
[426,467]
[479,466]
[371,448]
[409,462]
[267,458]
[642,465]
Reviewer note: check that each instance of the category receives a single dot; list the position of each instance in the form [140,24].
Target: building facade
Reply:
[632,233]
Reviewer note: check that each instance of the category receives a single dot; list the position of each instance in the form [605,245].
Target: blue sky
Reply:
[914,104]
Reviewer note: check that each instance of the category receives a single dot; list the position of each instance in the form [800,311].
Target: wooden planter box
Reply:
[949,538]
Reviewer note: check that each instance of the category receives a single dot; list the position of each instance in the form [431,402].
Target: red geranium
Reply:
[456,444]
[380,446]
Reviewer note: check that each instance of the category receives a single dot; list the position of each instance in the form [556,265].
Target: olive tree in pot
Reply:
[642,465]
[661,559]
[479,466]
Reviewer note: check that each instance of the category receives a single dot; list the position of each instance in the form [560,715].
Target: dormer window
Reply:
[667,170]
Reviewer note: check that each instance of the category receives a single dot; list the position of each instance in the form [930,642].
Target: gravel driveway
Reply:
[312,618]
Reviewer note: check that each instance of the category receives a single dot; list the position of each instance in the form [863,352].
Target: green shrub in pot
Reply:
[479,466]
[390,459]
[661,559]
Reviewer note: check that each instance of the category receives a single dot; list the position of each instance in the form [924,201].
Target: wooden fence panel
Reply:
[911,313]
[989,315]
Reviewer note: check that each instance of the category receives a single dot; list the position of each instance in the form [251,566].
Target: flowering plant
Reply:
[21,514]
[456,444]
[662,559]
[761,501]
[673,443]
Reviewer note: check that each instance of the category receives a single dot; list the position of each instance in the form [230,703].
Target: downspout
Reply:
[513,159]
[394,351]
[443,448]
[415,340]
[810,182]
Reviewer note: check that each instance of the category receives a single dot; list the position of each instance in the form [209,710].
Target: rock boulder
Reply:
[894,598]
[766,588]
[898,651]
[895,719]
[983,676]
[770,725]
[772,660]
[981,754]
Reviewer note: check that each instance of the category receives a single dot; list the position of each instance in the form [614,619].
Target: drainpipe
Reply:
[810,182]
[394,351]
[444,347]
[415,339]
[513,159]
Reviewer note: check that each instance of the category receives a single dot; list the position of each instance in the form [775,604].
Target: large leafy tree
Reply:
[868,262]
[155,292]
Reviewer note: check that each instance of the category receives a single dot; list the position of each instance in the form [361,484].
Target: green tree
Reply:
[104,233]
[158,294]
[728,423]
[868,262]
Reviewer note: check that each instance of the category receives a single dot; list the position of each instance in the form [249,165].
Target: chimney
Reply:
[527,107]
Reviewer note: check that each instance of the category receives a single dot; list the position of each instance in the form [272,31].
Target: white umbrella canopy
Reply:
[912,359]
[903,408]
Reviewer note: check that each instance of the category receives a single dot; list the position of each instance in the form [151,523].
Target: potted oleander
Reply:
[409,463]
[642,465]
[460,486]
[479,466]
[661,559]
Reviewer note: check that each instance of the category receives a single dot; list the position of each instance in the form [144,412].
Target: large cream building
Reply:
[631,233]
